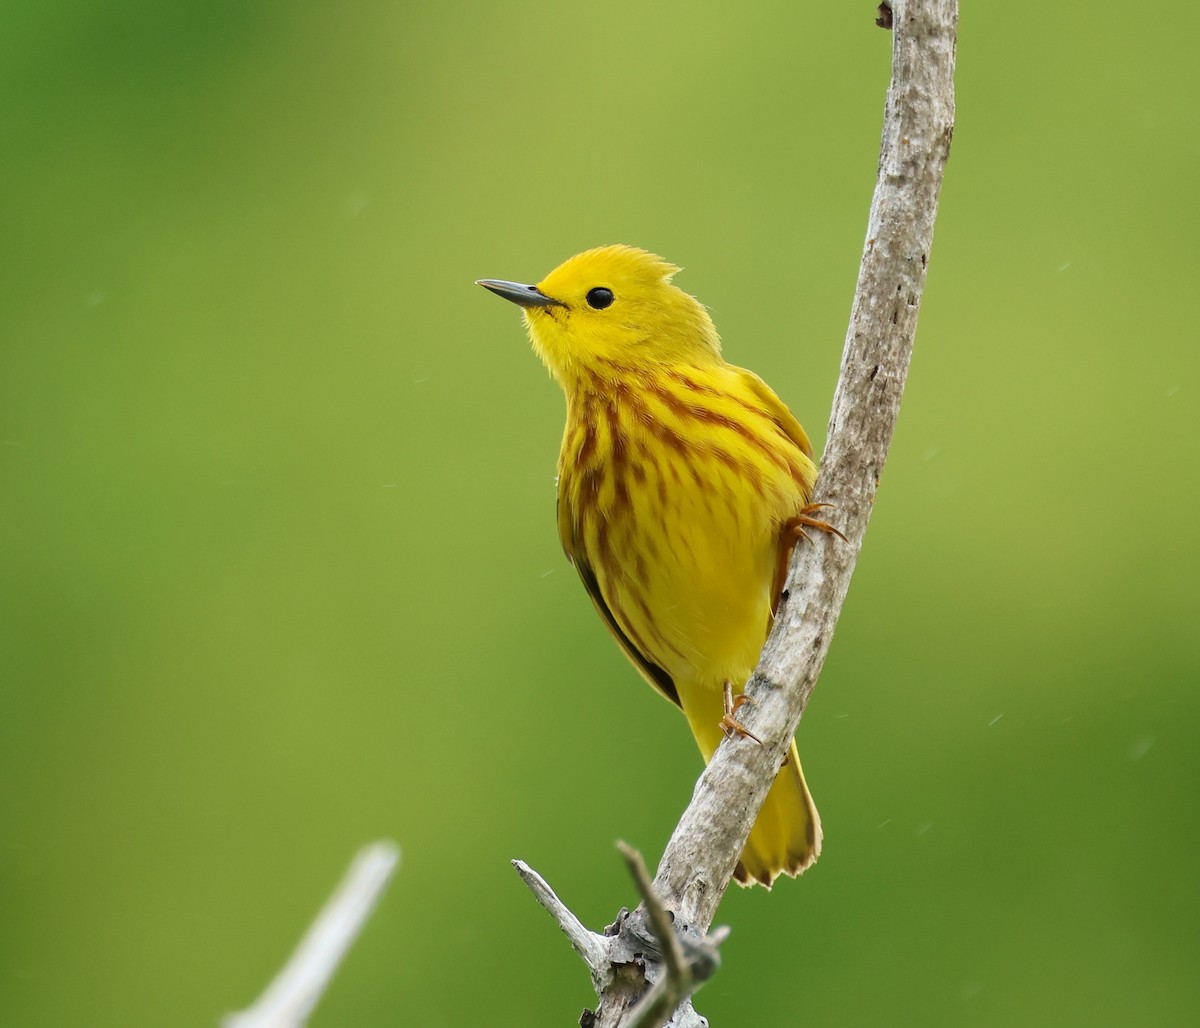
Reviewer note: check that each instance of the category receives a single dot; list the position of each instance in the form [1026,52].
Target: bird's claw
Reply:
[804,519]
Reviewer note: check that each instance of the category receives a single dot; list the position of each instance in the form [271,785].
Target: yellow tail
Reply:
[786,838]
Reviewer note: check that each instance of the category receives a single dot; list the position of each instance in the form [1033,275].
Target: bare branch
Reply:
[699,860]
[918,124]
[289,1000]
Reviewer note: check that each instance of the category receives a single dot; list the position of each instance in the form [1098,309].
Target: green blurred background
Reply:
[280,573]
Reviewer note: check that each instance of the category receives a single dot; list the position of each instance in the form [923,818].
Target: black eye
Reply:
[600,298]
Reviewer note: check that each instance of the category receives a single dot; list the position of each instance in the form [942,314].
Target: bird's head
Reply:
[611,311]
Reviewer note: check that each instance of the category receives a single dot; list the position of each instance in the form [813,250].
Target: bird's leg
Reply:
[731,725]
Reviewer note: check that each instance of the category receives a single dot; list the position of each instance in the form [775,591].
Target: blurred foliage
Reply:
[277,545]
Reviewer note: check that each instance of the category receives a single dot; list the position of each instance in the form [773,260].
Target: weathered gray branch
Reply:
[918,125]
[699,860]
[643,965]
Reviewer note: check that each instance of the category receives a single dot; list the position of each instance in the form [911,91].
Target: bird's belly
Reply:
[695,582]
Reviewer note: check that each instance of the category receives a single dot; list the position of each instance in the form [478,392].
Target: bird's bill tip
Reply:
[519,293]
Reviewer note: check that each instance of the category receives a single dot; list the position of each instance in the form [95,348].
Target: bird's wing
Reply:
[792,428]
[778,410]
[655,675]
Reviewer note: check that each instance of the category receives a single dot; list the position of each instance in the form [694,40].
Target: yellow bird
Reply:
[683,483]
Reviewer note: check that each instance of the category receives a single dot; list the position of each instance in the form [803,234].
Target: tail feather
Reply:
[786,837]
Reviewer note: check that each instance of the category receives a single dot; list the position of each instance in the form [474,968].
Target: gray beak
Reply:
[526,296]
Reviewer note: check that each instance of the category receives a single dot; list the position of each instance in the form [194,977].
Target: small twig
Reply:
[290,998]
[660,920]
[676,983]
[593,948]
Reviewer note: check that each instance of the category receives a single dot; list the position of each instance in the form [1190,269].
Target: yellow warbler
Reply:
[682,481]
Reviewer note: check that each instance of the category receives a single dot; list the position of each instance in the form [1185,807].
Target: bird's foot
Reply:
[804,519]
[730,725]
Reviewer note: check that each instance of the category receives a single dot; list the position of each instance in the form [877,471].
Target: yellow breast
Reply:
[673,487]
